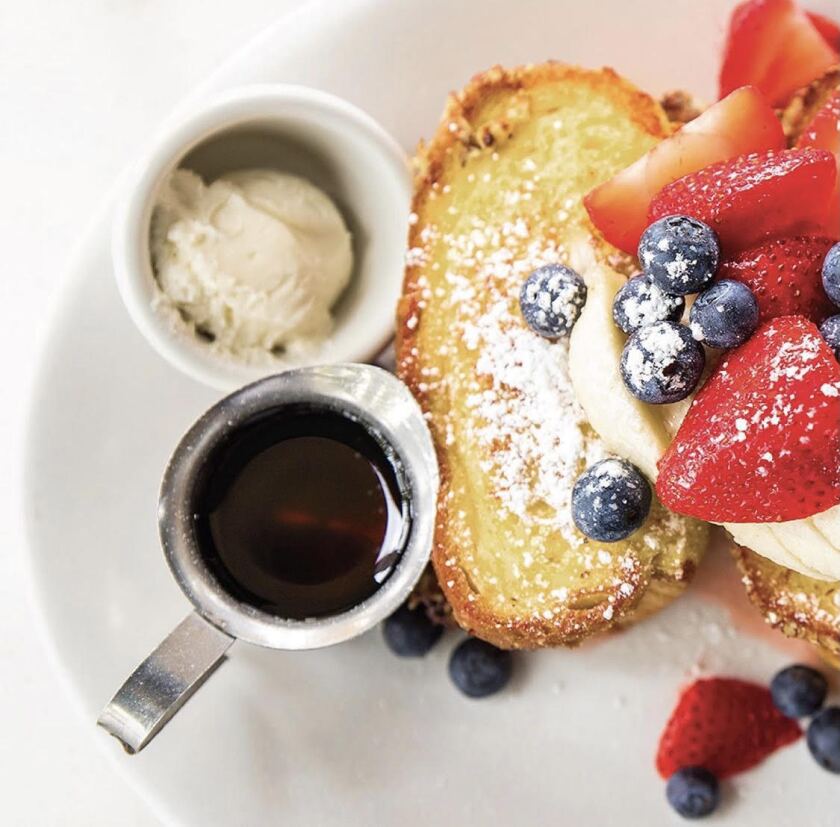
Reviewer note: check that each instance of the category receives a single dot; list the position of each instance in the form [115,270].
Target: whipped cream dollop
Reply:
[252,262]
[640,433]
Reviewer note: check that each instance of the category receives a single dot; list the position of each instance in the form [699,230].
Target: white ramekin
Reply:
[299,130]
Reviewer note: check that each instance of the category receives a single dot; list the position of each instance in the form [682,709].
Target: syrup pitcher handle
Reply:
[161,685]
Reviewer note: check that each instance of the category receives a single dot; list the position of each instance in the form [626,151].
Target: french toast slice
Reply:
[498,192]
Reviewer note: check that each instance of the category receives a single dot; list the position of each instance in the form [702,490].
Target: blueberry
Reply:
[641,302]
[551,300]
[724,315]
[479,669]
[693,792]
[830,330]
[798,691]
[410,633]
[680,254]
[610,500]
[824,738]
[662,363]
[831,273]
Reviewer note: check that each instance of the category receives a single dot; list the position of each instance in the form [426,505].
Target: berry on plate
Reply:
[761,440]
[693,792]
[641,302]
[831,274]
[662,363]
[551,300]
[410,633]
[742,122]
[479,669]
[725,315]
[724,725]
[680,254]
[754,197]
[774,45]
[798,690]
[823,738]
[784,275]
[610,500]
[830,331]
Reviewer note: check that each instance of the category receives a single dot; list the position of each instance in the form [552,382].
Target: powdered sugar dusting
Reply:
[789,607]
[649,304]
[523,409]
[526,410]
[679,268]
[652,352]
[792,361]
[552,299]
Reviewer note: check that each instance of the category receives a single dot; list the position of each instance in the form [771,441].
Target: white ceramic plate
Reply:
[351,735]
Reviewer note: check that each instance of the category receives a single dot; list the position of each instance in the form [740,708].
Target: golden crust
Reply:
[466,108]
[478,122]
[796,605]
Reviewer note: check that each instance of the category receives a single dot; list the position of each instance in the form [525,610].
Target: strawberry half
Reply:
[775,46]
[724,725]
[824,133]
[785,276]
[828,29]
[754,197]
[761,441]
[741,123]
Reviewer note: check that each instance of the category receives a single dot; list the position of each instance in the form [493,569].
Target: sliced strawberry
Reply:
[828,29]
[774,45]
[724,725]
[743,122]
[754,36]
[761,441]
[824,130]
[754,197]
[824,133]
[785,276]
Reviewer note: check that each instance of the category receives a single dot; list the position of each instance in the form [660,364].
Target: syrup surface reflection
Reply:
[302,513]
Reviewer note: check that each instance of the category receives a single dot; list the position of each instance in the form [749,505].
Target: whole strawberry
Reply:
[761,441]
[725,726]
[784,274]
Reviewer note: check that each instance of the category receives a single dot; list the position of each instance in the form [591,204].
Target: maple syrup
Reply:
[302,513]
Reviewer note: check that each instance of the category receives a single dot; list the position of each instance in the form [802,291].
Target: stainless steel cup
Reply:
[168,677]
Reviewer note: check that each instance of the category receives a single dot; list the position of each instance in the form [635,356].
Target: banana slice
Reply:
[637,432]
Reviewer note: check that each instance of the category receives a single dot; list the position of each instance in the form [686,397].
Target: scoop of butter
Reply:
[254,261]
[641,433]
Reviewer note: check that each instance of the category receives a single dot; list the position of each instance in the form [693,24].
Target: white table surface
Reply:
[80,83]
